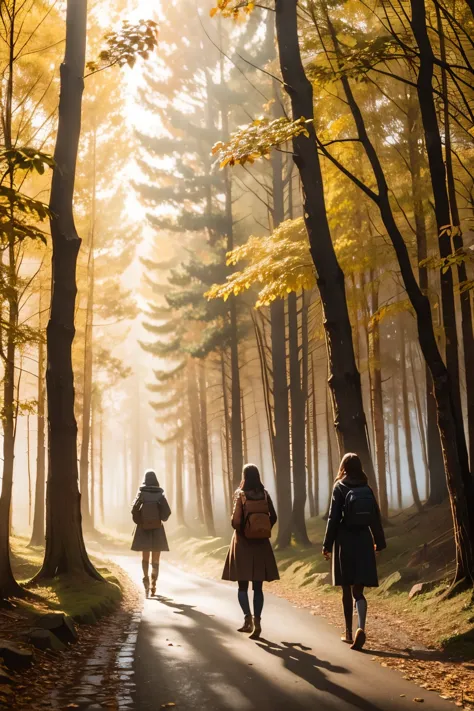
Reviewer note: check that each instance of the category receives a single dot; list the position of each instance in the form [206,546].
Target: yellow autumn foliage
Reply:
[276,264]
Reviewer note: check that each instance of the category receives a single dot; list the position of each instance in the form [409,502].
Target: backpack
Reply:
[256,523]
[147,515]
[360,508]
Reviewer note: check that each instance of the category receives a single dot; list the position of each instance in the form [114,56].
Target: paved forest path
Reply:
[189,653]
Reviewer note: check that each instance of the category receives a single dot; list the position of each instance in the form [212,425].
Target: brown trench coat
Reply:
[250,559]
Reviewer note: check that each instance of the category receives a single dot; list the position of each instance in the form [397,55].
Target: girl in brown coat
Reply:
[251,559]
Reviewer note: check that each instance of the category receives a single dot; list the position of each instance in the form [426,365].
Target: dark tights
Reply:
[243,596]
[355,592]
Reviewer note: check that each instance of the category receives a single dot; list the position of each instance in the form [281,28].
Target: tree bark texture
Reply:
[375,365]
[451,428]
[344,379]
[438,488]
[205,466]
[193,403]
[65,549]
[407,420]
[37,534]
[298,428]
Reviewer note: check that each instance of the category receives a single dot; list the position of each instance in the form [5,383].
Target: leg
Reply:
[243,596]
[155,568]
[257,607]
[361,607]
[361,604]
[145,565]
[145,562]
[347,607]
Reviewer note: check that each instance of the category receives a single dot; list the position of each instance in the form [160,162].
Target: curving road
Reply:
[189,653]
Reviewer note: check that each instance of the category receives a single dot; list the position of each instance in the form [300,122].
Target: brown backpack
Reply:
[256,523]
[147,515]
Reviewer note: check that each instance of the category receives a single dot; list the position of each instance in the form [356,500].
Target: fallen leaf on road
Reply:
[169,705]
[417,699]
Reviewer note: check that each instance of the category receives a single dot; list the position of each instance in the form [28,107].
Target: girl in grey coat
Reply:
[150,540]
[353,543]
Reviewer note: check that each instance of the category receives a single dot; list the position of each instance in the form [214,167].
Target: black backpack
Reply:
[360,508]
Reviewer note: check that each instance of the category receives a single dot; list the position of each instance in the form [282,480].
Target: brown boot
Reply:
[146,585]
[154,578]
[247,626]
[347,637]
[257,628]
[359,640]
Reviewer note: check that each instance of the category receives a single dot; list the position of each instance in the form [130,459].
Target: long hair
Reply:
[351,467]
[150,478]
[251,479]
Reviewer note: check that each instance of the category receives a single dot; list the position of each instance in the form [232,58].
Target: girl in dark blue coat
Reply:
[354,534]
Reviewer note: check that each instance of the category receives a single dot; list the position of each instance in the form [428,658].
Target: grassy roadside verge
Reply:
[429,641]
[86,601]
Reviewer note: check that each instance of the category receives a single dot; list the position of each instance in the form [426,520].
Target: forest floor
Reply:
[85,670]
[430,641]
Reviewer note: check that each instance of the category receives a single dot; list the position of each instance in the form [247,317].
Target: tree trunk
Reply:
[65,549]
[437,487]
[298,447]
[450,425]
[396,443]
[205,468]
[179,484]
[28,467]
[330,460]
[37,534]
[437,170]
[420,423]
[229,491]
[8,585]
[193,404]
[244,429]
[101,467]
[309,463]
[406,420]
[458,243]
[344,377]
[86,506]
[375,365]
[315,443]
[93,467]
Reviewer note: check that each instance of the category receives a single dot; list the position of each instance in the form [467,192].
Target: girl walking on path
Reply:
[150,509]
[354,533]
[250,556]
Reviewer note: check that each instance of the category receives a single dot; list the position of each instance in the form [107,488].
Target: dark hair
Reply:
[251,479]
[351,467]
[150,478]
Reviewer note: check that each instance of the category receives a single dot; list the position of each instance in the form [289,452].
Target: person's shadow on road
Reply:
[307,666]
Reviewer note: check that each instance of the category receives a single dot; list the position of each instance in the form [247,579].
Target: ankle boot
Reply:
[146,585]
[257,628]
[154,578]
[359,639]
[247,626]
[347,637]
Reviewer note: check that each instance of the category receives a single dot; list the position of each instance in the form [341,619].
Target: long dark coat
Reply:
[249,559]
[154,539]
[353,554]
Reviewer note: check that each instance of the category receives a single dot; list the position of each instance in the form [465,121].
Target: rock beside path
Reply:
[15,658]
[44,639]
[60,625]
